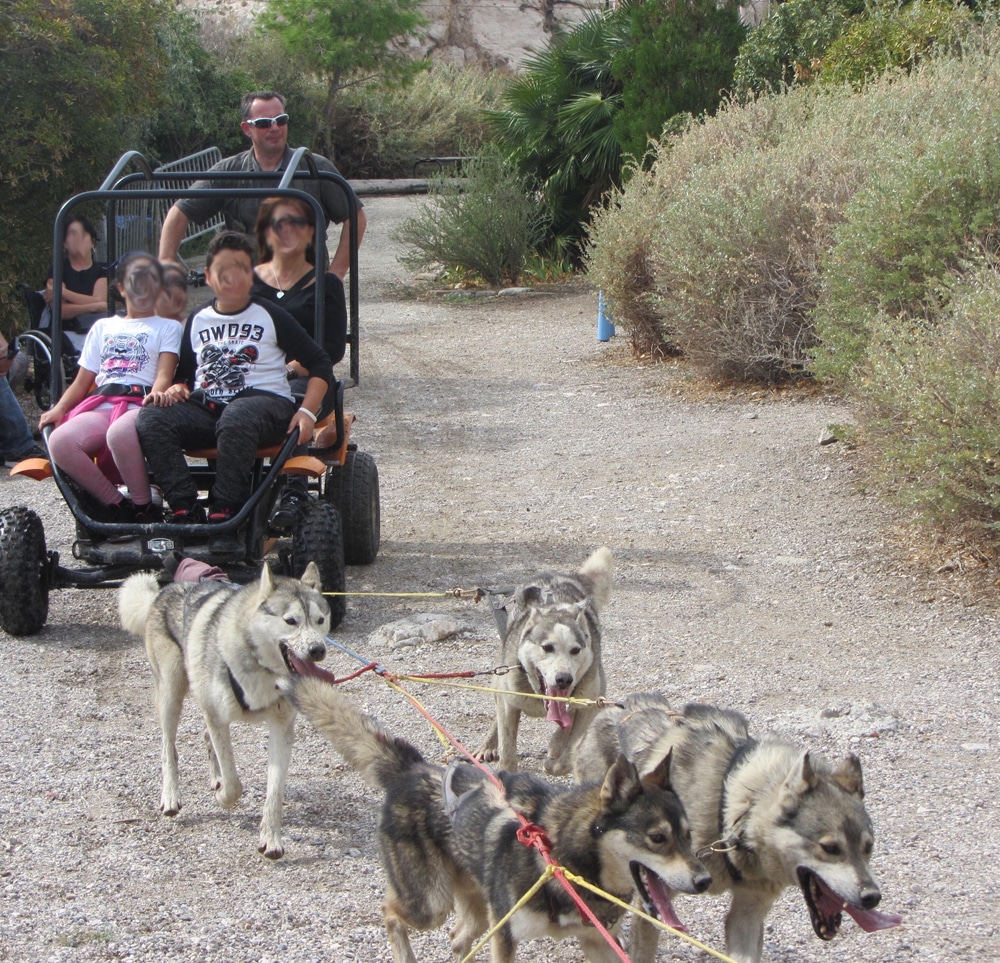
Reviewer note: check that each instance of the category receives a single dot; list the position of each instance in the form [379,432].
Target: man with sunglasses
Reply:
[265,123]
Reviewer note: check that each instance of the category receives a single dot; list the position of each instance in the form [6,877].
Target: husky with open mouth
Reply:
[551,634]
[448,838]
[229,645]
[765,814]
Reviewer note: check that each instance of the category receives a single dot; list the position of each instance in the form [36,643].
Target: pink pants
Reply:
[76,443]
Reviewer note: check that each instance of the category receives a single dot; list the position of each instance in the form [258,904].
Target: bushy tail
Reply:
[135,599]
[597,569]
[365,745]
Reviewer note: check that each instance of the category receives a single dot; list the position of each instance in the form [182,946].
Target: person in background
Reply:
[131,361]
[173,299]
[286,275]
[16,442]
[264,121]
[85,280]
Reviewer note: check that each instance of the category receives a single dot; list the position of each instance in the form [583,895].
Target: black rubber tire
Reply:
[24,572]
[353,490]
[316,538]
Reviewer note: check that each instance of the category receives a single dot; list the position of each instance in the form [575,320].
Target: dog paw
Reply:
[228,796]
[486,755]
[170,807]
[271,849]
[557,766]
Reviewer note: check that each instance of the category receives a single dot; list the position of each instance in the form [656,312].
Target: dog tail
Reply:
[135,599]
[597,570]
[365,744]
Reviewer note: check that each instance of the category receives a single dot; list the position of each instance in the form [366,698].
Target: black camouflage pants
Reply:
[245,425]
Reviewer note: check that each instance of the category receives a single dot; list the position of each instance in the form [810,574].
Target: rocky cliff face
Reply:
[494,32]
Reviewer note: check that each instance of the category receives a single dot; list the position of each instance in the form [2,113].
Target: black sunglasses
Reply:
[263,123]
[282,222]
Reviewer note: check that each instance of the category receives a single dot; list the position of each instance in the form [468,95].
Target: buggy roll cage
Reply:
[117,186]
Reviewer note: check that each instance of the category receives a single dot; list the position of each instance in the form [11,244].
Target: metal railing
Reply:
[138,222]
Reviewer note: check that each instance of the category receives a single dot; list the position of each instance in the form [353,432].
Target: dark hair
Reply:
[264,252]
[85,223]
[174,276]
[229,241]
[141,276]
[247,102]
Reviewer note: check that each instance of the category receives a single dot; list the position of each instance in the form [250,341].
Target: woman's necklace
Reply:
[277,282]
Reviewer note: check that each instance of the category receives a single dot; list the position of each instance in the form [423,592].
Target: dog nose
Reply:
[701,882]
[870,898]
[317,652]
[564,680]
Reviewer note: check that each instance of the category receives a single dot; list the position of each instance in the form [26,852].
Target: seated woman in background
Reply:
[84,281]
[286,275]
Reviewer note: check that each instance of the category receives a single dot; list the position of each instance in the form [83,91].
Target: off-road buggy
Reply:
[339,525]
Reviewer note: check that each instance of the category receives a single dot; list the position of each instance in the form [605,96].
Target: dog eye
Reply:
[548,647]
[869,846]
[831,849]
[291,620]
[575,650]
[658,838]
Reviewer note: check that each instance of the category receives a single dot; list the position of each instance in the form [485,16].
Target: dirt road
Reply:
[751,570]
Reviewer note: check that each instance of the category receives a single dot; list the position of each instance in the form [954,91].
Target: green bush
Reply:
[380,131]
[892,35]
[930,404]
[716,249]
[76,77]
[790,44]
[679,61]
[934,188]
[488,224]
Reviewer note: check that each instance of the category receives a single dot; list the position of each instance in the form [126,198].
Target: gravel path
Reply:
[751,571]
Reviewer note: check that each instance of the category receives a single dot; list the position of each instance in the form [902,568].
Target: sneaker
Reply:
[193,515]
[147,514]
[287,509]
[33,452]
[220,513]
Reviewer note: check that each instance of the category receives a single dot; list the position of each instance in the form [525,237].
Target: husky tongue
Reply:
[660,895]
[872,920]
[868,920]
[558,712]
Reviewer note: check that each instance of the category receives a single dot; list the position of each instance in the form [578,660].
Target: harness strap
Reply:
[241,696]
[732,840]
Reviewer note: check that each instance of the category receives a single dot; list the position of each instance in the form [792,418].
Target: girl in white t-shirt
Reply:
[130,361]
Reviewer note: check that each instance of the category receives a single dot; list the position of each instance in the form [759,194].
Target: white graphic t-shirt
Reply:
[126,350]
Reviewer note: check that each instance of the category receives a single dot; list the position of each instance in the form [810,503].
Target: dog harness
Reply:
[732,840]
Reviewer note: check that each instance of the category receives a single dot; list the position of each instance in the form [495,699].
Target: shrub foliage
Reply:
[488,224]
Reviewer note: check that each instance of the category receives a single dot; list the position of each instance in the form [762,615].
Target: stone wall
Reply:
[494,32]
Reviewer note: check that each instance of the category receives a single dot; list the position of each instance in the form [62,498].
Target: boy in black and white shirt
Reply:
[233,356]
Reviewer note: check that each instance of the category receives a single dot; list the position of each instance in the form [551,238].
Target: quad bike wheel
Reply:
[24,572]
[316,537]
[353,490]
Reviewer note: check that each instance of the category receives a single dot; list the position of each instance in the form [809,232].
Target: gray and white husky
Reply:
[551,633]
[765,814]
[449,838]
[228,645]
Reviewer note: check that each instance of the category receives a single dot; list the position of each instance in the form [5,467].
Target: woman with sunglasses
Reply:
[286,274]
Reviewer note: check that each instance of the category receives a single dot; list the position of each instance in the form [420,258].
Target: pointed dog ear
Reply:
[801,779]
[659,778]
[266,583]
[311,578]
[848,775]
[621,786]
